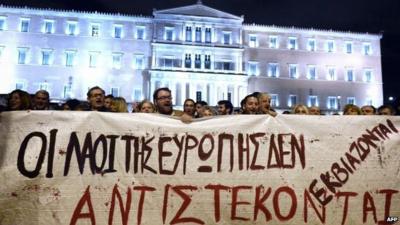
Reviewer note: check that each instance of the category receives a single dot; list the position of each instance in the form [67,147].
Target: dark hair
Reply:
[72,103]
[371,106]
[202,103]
[94,88]
[228,105]
[155,94]
[392,110]
[109,96]
[25,99]
[45,93]
[187,100]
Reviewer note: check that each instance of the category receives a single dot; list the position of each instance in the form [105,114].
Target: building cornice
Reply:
[73,13]
[309,31]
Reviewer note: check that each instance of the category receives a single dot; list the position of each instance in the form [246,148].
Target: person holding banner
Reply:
[250,104]
[41,100]
[95,97]
[162,99]
[265,104]
[18,100]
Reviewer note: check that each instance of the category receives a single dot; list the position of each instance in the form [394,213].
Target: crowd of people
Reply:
[97,100]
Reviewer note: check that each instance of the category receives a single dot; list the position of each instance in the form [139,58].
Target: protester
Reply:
[41,100]
[95,97]
[386,110]
[146,106]
[163,102]
[351,109]
[108,101]
[208,111]
[250,104]
[119,105]
[314,110]
[18,100]
[200,108]
[300,109]
[225,107]
[189,107]
[368,110]
[265,104]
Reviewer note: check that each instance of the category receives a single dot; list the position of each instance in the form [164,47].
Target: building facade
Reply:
[197,51]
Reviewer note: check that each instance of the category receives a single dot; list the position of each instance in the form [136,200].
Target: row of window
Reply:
[293,72]
[292,44]
[332,102]
[70,57]
[68,93]
[72,28]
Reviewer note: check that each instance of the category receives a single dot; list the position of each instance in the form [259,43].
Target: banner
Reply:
[106,168]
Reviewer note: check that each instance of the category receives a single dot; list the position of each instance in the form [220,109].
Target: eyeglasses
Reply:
[164,98]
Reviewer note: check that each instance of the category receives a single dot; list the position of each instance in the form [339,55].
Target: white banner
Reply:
[107,168]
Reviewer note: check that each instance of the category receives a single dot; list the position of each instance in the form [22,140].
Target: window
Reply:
[117,31]
[95,30]
[94,59]
[169,34]
[293,74]
[139,62]
[332,102]
[20,86]
[47,56]
[292,43]
[368,75]
[331,73]
[1,51]
[351,100]
[2,23]
[197,61]
[117,60]
[48,27]
[366,49]
[67,91]
[369,101]
[350,75]
[24,26]
[140,33]
[70,58]
[273,42]
[274,100]
[253,43]
[44,86]
[198,34]
[349,47]
[207,62]
[273,70]
[311,45]
[168,61]
[198,96]
[115,91]
[208,35]
[22,55]
[188,61]
[137,95]
[72,28]
[312,101]
[253,68]
[226,38]
[311,72]
[188,34]
[330,46]
[292,101]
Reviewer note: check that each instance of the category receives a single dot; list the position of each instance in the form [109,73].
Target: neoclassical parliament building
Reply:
[197,51]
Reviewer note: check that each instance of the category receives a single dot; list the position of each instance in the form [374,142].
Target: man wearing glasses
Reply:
[163,102]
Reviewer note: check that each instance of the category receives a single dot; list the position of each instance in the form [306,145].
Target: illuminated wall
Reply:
[197,51]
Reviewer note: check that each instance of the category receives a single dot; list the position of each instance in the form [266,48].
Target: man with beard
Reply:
[225,107]
[41,100]
[95,97]
[162,99]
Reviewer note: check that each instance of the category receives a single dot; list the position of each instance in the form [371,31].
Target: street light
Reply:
[338,104]
[391,98]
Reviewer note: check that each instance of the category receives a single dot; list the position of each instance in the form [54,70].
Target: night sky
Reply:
[367,16]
